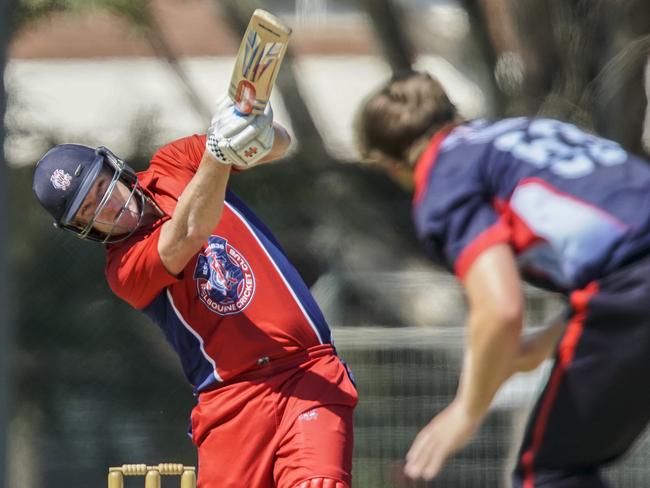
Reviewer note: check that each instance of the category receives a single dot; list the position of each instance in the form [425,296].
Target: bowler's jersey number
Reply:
[562,148]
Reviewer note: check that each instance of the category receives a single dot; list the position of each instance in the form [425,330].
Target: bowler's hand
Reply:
[447,432]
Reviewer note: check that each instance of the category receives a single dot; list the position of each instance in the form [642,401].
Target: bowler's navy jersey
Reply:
[573,206]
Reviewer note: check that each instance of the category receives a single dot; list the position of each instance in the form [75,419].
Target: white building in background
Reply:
[100,101]
[93,80]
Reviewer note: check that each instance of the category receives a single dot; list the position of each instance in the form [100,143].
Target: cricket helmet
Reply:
[64,177]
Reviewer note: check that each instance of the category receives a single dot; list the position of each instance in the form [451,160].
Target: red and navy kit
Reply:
[575,208]
[238,304]
[250,338]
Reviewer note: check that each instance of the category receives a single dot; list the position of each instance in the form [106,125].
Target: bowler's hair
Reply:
[395,123]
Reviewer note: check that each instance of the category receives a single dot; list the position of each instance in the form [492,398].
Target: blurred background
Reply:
[86,382]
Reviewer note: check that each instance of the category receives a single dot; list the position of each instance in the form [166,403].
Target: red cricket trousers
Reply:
[278,430]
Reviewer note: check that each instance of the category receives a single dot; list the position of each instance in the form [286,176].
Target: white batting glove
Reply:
[240,140]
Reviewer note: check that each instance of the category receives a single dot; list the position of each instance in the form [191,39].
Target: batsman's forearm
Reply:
[281,143]
[196,215]
[491,350]
[200,205]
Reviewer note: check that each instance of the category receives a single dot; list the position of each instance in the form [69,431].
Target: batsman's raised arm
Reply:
[198,212]
[233,140]
[281,143]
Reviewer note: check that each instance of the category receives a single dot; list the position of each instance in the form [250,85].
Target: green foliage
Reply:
[136,11]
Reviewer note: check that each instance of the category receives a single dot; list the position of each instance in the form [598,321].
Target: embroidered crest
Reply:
[224,279]
[61,180]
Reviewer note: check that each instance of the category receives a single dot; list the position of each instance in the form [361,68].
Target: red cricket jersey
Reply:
[238,304]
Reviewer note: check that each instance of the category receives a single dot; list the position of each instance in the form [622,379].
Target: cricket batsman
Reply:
[275,402]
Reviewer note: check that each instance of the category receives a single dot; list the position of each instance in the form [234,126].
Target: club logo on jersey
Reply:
[61,180]
[224,279]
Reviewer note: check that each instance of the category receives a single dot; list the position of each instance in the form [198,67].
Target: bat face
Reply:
[258,61]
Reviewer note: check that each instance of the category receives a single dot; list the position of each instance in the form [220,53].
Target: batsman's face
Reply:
[111,214]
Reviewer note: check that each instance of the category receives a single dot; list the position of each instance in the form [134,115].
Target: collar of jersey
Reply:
[426,163]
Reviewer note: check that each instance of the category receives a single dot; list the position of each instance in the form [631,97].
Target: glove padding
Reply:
[240,140]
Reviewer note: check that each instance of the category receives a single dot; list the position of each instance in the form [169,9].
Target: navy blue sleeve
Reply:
[454,212]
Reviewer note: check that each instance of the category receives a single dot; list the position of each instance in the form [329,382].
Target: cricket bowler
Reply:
[498,201]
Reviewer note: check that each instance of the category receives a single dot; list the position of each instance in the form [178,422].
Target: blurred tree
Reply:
[492,36]
[584,62]
[6,311]
[392,24]
[579,61]
[388,23]
[617,91]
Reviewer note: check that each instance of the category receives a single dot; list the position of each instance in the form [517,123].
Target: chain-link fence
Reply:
[405,376]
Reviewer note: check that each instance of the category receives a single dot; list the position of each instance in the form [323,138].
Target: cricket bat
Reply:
[258,62]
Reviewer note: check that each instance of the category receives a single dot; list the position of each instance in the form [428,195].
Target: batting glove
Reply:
[240,140]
